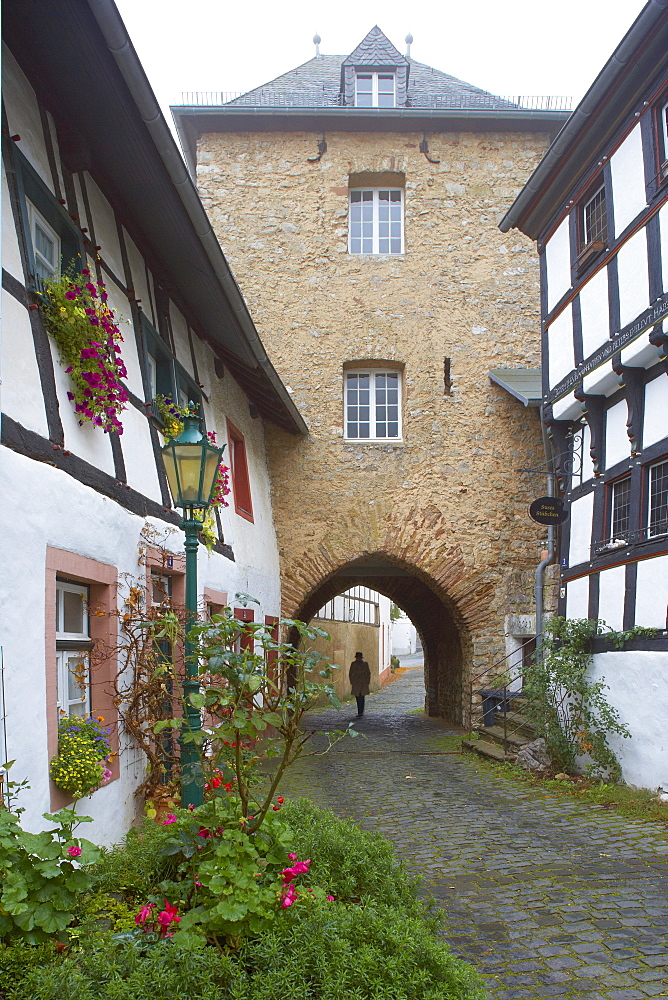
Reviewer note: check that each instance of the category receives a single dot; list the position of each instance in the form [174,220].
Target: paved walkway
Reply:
[547,896]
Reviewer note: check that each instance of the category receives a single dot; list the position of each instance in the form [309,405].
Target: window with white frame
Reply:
[658,499]
[376,221]
[73,644]
[663,134]
[375,90]
[373,405]
[45,244]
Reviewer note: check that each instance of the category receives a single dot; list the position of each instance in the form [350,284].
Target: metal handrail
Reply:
[507,691]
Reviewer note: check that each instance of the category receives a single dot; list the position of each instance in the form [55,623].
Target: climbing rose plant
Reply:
[85,329]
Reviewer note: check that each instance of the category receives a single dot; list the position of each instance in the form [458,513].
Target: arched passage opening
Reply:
[445,639]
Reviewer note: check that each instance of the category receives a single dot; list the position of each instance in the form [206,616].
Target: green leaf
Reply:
[197,699]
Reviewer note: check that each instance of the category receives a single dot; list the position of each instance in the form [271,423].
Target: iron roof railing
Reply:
[329,98]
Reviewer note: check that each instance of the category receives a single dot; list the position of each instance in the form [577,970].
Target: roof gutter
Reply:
[620,58]
[121,48]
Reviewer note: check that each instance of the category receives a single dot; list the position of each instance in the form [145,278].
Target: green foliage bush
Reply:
[349,862]
[328,951]
[137,866]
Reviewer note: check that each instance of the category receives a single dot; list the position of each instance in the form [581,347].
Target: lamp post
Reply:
[191,464]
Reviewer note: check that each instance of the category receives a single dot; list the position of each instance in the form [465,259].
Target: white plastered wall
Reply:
[633,278]
[580,543]
[594,311]
[652,593]
[561,358]
[617,444]
[638,690]
[577,598]
[628,180]
[663,230]
[611,596]
[655,419]
[558,264]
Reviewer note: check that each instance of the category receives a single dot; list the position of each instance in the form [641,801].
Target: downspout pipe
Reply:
[551,538]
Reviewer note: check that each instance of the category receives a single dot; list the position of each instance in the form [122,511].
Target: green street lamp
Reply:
[191,464]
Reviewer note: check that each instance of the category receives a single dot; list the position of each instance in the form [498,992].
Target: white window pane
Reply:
[73,613]
[45,245]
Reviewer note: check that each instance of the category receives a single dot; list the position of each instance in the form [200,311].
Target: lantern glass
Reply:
[191,464]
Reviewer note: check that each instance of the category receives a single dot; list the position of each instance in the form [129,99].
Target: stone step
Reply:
[516,723]
[492,751]
[494,734]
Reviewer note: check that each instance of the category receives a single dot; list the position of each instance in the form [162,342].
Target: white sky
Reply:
[525,47]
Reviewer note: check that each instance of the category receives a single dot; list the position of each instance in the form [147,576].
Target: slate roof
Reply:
[375,50]
[317,84]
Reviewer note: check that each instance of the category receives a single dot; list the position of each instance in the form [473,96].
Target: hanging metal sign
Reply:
[548,510]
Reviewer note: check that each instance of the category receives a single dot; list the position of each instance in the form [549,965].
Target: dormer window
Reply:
[375,90]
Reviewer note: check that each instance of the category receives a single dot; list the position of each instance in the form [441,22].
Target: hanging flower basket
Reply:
[81,764]
[86,333]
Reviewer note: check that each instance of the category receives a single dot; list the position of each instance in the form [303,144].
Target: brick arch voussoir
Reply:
[421,542]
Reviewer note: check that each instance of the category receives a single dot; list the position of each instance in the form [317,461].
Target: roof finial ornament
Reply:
[316,41]
[409,42]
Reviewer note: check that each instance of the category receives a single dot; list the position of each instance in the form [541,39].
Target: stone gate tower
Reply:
[357,198]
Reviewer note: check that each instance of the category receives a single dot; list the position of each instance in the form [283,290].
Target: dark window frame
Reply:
[619,495]
[171,376]
[31,188]
[649,498]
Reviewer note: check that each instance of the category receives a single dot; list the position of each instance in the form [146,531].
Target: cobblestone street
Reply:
[547,896]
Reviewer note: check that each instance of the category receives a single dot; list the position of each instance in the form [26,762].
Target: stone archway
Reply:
[414,561]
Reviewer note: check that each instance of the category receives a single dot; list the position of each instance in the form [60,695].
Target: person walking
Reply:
[360,677]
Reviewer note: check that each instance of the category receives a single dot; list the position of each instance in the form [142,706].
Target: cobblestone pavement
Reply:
[546,896]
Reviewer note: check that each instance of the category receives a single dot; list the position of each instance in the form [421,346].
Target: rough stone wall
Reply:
[448,500]
[345,639]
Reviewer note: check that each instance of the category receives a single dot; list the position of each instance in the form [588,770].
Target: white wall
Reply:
[577,598]
[652,593]
[581,515]
[617,444]
[594,310]
[633,278]
[558,264]
[628,180]
[611,596]
[638,690]
[561,358]
[655,422]
[404,636]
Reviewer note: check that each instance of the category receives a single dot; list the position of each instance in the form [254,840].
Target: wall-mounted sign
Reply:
[548,510]
[656,312]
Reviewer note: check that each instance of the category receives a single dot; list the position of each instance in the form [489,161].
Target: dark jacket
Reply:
[360,677]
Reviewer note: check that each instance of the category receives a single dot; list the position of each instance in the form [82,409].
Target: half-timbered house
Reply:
[597,205]
[92,176]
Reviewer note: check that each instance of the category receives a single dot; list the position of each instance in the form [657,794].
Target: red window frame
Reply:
[243,502]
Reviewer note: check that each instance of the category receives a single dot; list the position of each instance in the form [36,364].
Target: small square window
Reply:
[658,499]
[376,224]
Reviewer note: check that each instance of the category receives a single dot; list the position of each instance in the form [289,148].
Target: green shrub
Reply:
[137,866]
[323,950]
[348,862]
